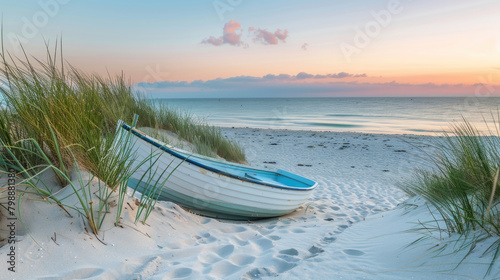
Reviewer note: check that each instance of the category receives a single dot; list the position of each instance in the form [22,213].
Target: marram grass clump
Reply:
[62,107]
[55,118]
[463,185]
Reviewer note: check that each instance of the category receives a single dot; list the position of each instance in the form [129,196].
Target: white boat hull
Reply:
[207,192]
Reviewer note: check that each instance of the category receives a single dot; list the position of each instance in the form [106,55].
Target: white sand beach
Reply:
[356,225]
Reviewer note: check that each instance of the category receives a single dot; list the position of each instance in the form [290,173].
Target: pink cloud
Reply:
[305,46]
[213,41]
[232,32]
[269,38]
[231,35]
[281,36]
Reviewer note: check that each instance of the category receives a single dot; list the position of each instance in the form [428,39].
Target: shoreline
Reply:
[349,223]
[327,131]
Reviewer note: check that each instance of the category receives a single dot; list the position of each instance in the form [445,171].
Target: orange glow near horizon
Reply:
[146,69]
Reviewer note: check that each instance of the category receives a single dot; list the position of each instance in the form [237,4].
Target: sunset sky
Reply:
[254,48]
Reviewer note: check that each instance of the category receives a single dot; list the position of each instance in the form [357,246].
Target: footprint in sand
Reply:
[242,259]
[208,257]
[262,244]
[315,251]
[149,268]
[321,207]
[353,252]
[238,241]
[284,265]
[276,266]
[291,252]
[179,273]
[204,238]
[289,255]
[224,251]
[274,237]
[298,230]
[285,222]
[343,227]
[265,231]
[258,273]
[223,269]
[328,240]
[271,227]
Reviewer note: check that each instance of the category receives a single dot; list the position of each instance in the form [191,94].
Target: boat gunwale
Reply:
[215,170]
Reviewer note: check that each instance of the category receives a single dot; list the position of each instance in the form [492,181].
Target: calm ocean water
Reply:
[427,116]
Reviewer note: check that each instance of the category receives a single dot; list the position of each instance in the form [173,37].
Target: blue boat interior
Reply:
[280,178]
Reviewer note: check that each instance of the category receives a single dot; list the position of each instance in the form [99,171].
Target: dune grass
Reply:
[92,194]
[463,186]
[57,117]
[62,107]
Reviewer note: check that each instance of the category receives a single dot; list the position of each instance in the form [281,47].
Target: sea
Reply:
[387,115]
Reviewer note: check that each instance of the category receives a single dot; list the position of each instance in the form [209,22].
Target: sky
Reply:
[243,48]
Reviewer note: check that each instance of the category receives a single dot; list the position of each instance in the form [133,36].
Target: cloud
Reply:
[305,46]
[231,35]
[282,77]
[303,75]
[269,38]
[219,82]
[232,32]
[213,41]
[281,35]
[285,85]
[340,75]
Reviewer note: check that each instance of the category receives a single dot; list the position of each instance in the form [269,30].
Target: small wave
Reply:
[344,115]
[333,124]
[260,119]
[391,117]
[422,130]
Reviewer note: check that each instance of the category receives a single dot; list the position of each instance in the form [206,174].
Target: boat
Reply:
[212,187]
